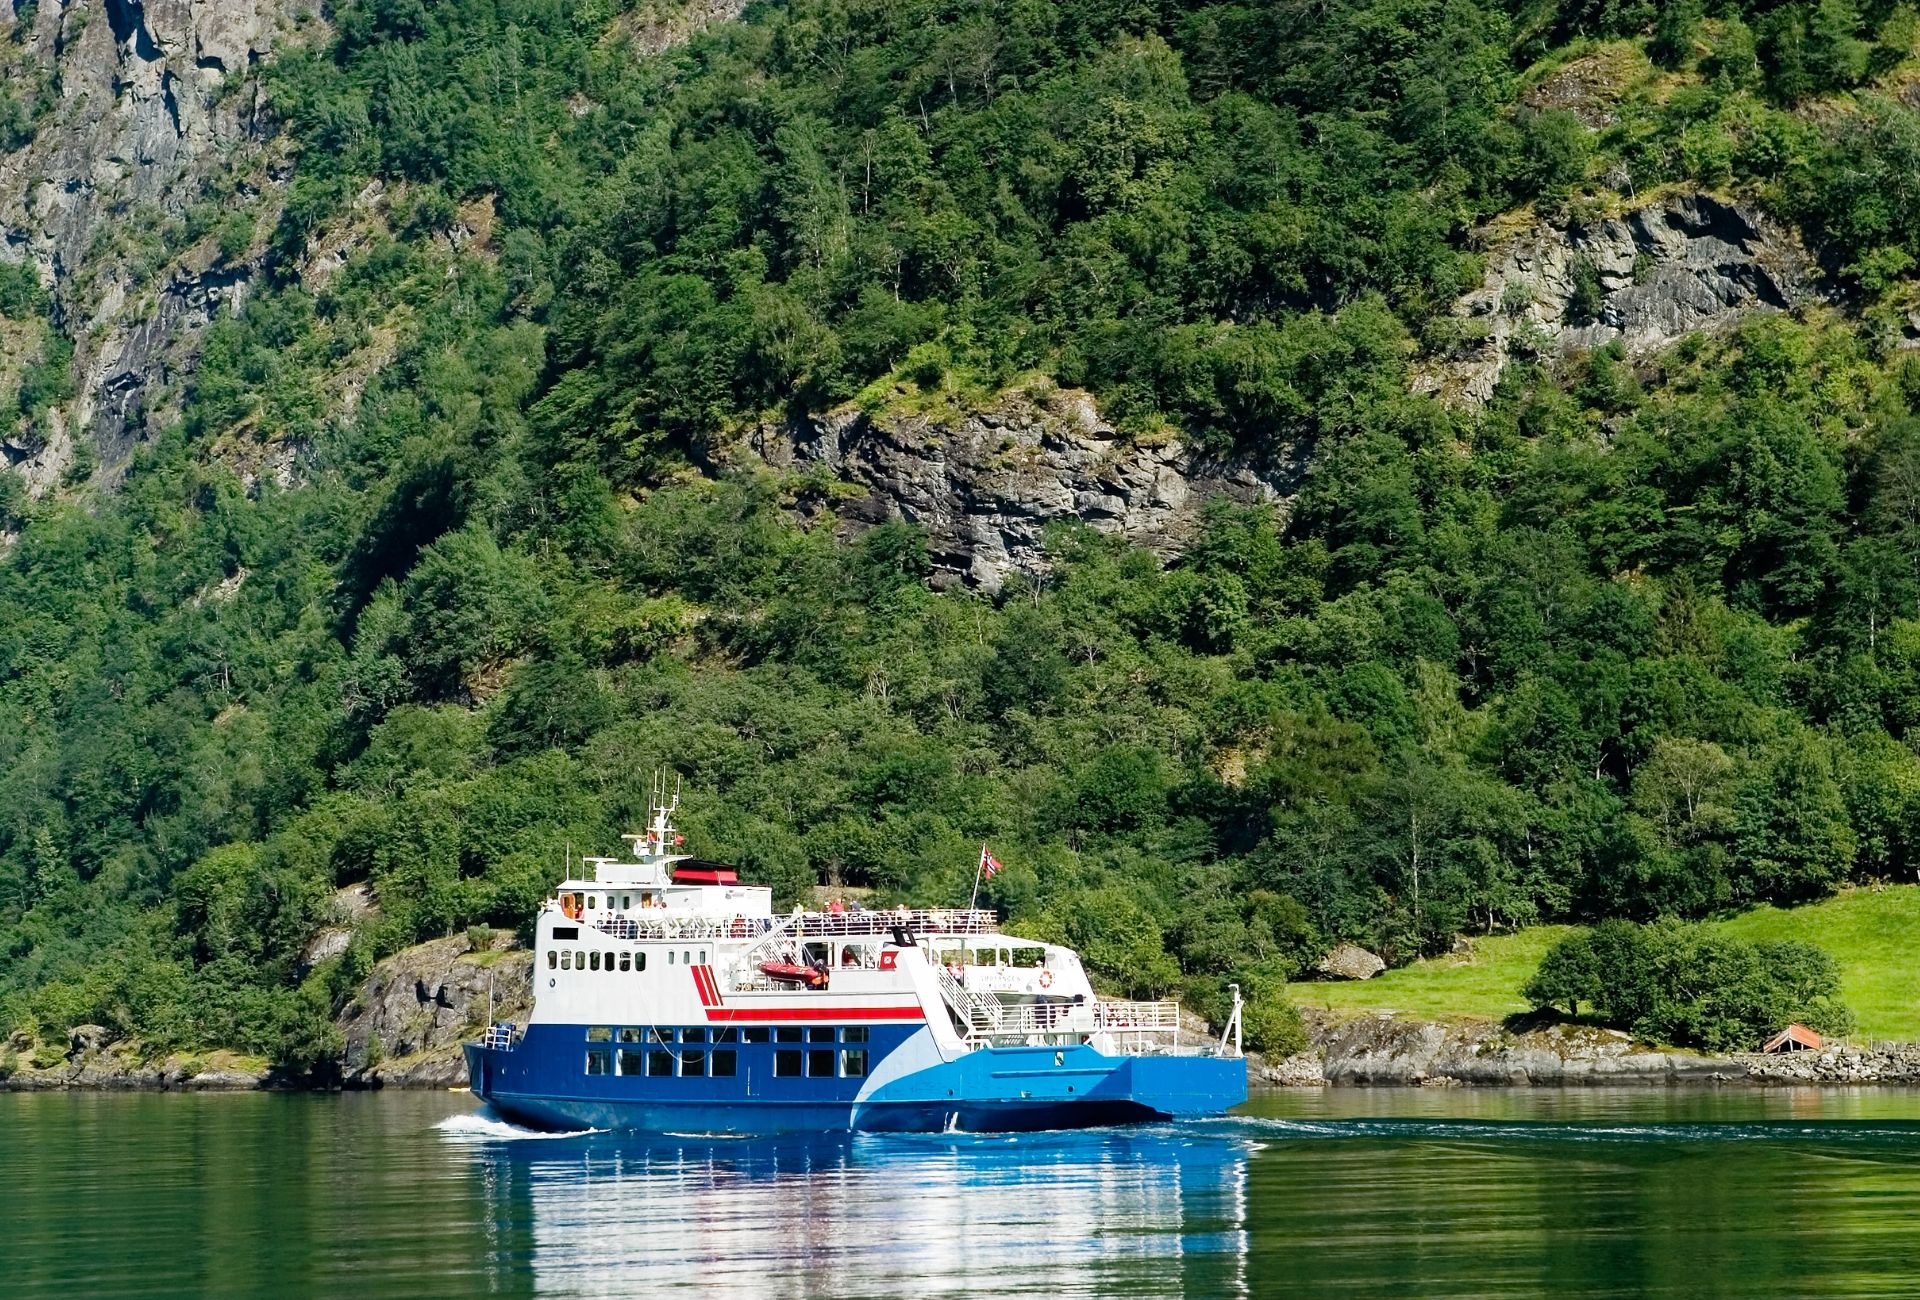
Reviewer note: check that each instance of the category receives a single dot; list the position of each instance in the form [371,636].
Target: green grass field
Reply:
[1873,934]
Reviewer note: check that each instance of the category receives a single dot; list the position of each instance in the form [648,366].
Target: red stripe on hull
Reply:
[708,986]
[737,1015]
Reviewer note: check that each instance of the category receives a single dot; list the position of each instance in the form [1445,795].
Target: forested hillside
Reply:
[438,562]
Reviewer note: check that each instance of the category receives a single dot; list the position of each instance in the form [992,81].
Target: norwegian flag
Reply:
[988,863]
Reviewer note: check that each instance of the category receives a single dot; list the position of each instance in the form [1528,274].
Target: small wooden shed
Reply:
[1794,1038]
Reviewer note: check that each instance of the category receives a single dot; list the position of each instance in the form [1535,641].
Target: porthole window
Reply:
[566,961]
[625,961]
[592,902]
[553,959]
[639,961]
[703,956]
[593,960]
[669,956]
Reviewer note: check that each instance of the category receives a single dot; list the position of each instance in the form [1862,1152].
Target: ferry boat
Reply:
[668,997]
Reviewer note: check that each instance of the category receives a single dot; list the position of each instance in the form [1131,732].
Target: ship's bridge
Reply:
[660,891]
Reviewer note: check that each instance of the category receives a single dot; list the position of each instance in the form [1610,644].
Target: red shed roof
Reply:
[1792,1037]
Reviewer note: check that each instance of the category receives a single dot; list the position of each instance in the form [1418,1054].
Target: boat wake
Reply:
[479,1126]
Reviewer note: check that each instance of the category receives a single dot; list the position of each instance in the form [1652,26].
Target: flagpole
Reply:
[978,867]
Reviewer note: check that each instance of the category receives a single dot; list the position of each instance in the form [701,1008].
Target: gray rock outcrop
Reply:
[985,486]
[406,1027]
[1386,1049]
[1349,961]
[1661,271]
[152,107]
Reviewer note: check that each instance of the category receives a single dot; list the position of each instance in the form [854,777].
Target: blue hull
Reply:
[543,1081]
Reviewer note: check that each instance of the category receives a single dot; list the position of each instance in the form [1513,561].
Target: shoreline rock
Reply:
[1384,1050]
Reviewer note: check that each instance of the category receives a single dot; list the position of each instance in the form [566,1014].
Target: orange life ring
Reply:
[1046,979]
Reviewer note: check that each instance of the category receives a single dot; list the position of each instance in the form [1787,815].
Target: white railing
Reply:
[1141,1016]
[1025,1019]
[498,1038]
[980,1014]
[652,924]
[657,926]
[920,921]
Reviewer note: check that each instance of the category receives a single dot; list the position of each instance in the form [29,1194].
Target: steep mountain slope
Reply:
[515,396]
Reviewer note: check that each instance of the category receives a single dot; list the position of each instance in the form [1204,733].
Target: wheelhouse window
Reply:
[633,1035]
[597,1062]
[787,1035]
[693,1035]
[632,1061]
[853,1064]
[753,1034]
[693,1065]
[599,1034]
[820,1064]
[786,1063]
[723,1063]
[854,1034]
[820,1035]
[660,1064]
[728,1035]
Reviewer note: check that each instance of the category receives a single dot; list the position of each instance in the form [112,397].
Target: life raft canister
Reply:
[571,906]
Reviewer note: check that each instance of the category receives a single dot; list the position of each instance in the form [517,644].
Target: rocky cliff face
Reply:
[146,178]
[406,1027]
[1647,278]
[986,485]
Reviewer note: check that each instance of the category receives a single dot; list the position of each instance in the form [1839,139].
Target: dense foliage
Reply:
[1674,983]
[1637,640]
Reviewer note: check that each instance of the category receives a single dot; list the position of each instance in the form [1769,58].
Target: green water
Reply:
[1347,1193]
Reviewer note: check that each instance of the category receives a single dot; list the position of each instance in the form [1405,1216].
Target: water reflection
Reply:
[1343,1193]
[1139,1212]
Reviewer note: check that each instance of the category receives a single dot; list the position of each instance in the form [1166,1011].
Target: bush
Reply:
[1269,1022]
[1689,985]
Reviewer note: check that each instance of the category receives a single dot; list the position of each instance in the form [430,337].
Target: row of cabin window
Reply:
[625,904]
[567,959]
[728,1034]
[723,1063]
